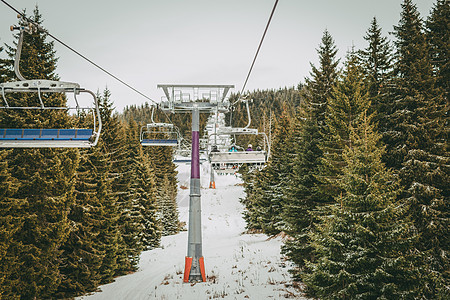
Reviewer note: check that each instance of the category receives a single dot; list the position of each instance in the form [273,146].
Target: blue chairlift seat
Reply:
[52,138]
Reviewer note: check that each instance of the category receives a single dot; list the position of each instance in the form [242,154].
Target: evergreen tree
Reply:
[160,163]
[412,83]
[45,177]
[160,158]
[118,152]
[346,105]
[108,238]
[269,202]
[362,244]
[377,65]
[88,250]
[438,35]
[143,191]
[10,222]
[82,252]
[253,183]
[305,192]
[414,131]
[168,209]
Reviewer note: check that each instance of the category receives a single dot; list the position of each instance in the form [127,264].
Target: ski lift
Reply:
[46,137]
[159,134]
[230,161]
[234,159]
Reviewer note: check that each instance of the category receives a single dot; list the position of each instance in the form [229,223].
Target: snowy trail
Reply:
[238,266]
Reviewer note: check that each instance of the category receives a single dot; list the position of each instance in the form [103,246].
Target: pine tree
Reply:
[438,35]
[253,183]
[438,32]
[415,136]
[45,177]
[143,190]
[10,222]
[377,65]
[87,252]
[120,172]
[108,237]
[346,105]
[82,255]
[305,192]
[166,180]
[412,83]
[269,203]
[362,244]
[168,209]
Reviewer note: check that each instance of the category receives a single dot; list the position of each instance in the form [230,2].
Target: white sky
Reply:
[151,42]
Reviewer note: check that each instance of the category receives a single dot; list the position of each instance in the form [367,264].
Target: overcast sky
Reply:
[150,42]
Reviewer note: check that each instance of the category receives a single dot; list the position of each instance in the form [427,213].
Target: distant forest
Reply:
[358,182]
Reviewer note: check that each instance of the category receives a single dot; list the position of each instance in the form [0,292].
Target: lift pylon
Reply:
[196,99]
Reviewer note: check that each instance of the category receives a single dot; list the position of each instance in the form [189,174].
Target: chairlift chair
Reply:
[159,134]
[46,137]
[255,159]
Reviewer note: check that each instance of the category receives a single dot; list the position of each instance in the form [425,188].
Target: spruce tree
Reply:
[269,204]
[346,105]
[168,209]
[362,244]
[410,90]
[88,250]
[418,148]
[161,159]
[305,192]
[108,238]
[120,172]
[10,222]
[377,65]
[438,35]
[253,183]
[45,176]
[143,191]
[82,252]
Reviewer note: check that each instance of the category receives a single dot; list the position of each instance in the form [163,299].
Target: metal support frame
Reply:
[206,97]
[195,221]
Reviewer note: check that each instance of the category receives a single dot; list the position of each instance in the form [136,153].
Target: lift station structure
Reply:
[195,99]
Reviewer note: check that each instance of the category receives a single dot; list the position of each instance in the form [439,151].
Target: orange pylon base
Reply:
[201,261]
[212,185]
[188,266]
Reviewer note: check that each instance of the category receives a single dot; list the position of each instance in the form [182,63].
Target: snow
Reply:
[238,266]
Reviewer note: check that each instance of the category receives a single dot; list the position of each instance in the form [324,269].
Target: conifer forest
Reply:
[358,179]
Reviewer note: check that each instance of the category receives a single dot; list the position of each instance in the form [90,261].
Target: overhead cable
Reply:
[78,53]
[259,47]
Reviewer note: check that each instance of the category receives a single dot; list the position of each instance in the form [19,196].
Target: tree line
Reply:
[359,174]
[72,219]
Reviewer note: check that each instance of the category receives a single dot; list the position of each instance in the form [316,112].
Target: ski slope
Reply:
[238,266]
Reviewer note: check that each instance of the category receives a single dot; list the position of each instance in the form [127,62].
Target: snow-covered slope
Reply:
[238,266]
